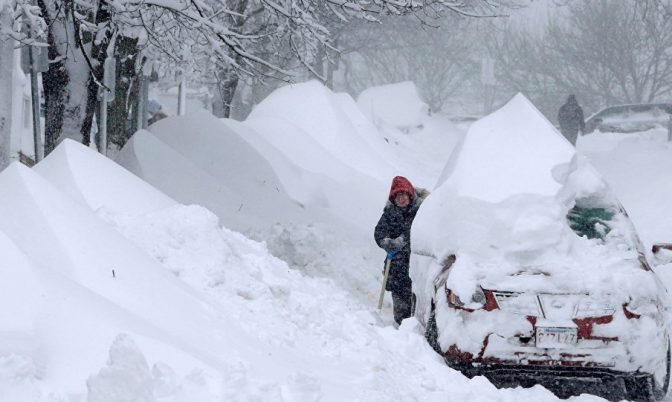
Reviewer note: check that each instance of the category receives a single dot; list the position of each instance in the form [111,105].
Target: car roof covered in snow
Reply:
[514,150]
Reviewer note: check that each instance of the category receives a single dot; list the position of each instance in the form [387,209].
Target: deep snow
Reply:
[276,304]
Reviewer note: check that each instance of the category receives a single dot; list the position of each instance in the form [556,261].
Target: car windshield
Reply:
[590,222]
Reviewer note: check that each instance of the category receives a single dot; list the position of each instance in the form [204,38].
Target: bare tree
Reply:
[604,51]
[439,59]
[232,37]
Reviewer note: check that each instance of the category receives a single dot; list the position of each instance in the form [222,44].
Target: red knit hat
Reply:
[401,184]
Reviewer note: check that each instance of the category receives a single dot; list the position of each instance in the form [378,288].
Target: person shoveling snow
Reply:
[393,234]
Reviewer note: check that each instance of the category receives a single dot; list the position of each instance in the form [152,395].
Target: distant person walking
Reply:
[570,118]
[393,234]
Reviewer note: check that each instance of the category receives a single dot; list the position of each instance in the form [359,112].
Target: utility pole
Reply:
[6,84]
[105,95]
[488,81]
[38,64]
[182,96]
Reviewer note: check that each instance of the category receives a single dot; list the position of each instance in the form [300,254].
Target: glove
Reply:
[385,243]
[397,244]
[393,244]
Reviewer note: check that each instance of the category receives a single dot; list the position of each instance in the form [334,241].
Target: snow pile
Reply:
[309,112]
[299,144]
[197,159]
[497,141]
[397,111]
[637,167]
[72,303]
[395,105]
[312,176]
[126,376]
[98,182]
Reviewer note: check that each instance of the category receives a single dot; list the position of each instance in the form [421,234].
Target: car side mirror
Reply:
[662,253]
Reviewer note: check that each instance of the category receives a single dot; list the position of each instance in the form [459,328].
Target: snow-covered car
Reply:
[629,118]
[529,271]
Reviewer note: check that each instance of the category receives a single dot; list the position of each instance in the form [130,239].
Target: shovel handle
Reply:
[382,290]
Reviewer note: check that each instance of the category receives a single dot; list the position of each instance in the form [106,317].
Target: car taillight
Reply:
[478,301]
[453,300]
[641,306]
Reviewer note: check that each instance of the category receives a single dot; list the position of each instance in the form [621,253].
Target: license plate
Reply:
[555,337]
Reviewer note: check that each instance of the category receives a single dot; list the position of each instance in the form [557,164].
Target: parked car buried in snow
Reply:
[629,118]
[538,275]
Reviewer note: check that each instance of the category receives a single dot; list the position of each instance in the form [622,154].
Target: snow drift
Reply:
[395,105]
[328,121]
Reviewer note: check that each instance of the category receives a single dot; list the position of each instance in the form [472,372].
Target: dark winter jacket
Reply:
[570,118]
[395,222]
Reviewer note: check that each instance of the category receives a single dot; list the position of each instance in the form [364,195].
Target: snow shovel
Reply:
[388,261]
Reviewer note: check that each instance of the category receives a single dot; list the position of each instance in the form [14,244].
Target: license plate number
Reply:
[555,337]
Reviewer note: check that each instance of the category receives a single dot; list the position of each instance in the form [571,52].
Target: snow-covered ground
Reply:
[234,260]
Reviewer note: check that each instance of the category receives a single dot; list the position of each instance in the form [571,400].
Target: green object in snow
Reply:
[590,222]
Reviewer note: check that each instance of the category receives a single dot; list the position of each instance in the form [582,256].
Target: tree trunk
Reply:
[226,85]
[98,55]
[318,64]
[6,69]
[66,82]
[123,110]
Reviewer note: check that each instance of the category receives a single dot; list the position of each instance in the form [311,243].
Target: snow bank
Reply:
[637,167]
[313,176]
[310,136]
[320,117]
[394,105]
[98,182]
[197,159]
[79,304]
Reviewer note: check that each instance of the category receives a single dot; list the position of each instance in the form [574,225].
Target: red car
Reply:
[570,342]
[528,270]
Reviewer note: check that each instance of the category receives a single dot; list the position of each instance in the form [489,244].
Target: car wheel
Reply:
[646,388]
[432,334]
[661,391]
